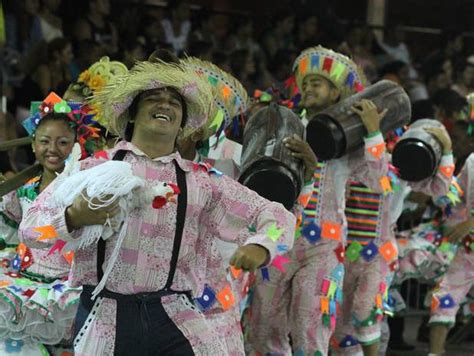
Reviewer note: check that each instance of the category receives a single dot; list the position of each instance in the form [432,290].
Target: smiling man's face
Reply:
[160,111]
[318,93]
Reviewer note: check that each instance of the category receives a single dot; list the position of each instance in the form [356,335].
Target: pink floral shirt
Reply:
[217,206]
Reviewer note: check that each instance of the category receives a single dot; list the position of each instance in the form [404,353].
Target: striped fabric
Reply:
[362,213]
[310,210]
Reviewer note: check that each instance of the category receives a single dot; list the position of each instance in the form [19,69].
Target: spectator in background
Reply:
[178,26]
[51,75]
[396,71]
[308,32]
[280,33]
[54,75]
[243,36]
[436,80]
[87,52]
[96,26]
[133,50]
[281,67]
[394,45]
[359,40]
[153,32]
[221,59]
[252,74]
[200,49]
[422,109]
[51,24]
[465,84]
[448,107]
[22,26]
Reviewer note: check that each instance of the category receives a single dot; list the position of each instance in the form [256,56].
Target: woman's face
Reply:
[52,144]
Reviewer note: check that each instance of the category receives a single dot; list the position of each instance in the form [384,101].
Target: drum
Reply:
[417,154]
[338,130]
[267,166]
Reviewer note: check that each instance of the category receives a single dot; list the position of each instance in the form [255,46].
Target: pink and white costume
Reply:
[217,206]
[459,278]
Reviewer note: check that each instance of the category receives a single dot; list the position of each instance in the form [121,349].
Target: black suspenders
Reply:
[180,219]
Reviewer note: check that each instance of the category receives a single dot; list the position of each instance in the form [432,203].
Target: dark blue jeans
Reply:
[142,327]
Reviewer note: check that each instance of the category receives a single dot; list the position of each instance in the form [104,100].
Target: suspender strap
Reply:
[180,219]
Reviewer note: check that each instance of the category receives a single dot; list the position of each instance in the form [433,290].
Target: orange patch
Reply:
[324,305]
[236,272]
[377,150]
[226,298]
[388,251]
[330,230]
[47,232]
[447,170]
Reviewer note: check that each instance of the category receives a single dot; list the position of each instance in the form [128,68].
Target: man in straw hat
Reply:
[148,305]
[301,300]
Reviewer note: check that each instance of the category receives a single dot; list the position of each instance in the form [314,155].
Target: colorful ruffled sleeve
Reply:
[237,214]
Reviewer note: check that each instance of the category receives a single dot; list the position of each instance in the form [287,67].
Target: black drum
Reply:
[337,130]
[267,166]
[417,154]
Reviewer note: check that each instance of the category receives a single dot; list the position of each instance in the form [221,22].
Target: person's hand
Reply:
[442,136]
[369,114]
[79,214]
[461,230]
[301,149]
[249,257]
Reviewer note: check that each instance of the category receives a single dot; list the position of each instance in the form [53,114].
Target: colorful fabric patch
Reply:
[388,251]
[348,341]
[46,232]
[446,302]
[13,346]
[226,298]
[340,253]
[369,251]
[265,274]
[207,299]
[279,262]
[312,232]
[331,230]
[338,272]
[377,150]
[447,171]
[274,233]
[353,251]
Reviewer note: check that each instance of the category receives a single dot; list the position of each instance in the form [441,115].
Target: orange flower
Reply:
[96,83]
[84,77]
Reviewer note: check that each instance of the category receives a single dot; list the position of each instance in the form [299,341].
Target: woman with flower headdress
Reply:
[148,303]
[37,302]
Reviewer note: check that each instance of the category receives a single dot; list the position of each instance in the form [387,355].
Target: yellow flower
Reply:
[84,77]
[96,83]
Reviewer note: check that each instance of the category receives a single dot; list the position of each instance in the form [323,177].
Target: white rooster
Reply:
[101,186]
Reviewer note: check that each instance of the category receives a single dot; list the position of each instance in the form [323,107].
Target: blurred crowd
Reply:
[48,43]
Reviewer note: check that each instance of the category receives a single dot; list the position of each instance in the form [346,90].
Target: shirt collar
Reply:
[128,146]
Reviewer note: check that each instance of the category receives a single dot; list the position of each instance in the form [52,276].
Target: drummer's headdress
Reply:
[230,97]
[335,67]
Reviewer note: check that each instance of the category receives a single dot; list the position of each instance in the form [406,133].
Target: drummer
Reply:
[300,297]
